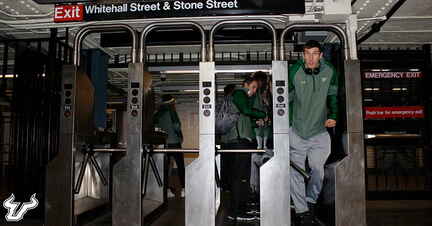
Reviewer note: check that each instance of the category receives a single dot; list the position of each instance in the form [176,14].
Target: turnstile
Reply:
[76,126]
[274,182]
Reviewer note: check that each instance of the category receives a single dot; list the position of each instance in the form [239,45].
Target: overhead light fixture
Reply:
[180,72]
[370,136]
[196,90]
[7,76]
[243,71]
[381,70]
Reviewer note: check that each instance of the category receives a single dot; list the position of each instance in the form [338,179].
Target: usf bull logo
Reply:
[14,214]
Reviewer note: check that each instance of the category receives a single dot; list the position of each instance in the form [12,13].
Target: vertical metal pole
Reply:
[59,201]
[2,120]
[5,67]
[351,31]
[50,72]
[3,87]
[275,174]
[14,156]
[427,92]
[200,174]
[127,204]
[66,46]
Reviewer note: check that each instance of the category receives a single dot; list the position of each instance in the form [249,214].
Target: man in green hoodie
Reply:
[241,137]
[313,85]
[168,120]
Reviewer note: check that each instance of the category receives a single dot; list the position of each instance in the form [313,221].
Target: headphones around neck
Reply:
[310,71]
[314,71]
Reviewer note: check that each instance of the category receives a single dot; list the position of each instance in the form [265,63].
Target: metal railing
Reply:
[192,58]
[83,32]
[221,24]
[154,26]
[318,27]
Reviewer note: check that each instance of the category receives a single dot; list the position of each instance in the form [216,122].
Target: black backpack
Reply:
[226,116]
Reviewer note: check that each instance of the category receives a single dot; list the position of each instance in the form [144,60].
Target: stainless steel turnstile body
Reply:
[70,194]
[274,182]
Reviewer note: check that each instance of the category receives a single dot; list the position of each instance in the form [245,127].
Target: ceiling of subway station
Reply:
[410,24]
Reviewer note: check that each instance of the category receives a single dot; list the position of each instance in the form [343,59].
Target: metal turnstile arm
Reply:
[149,162]
[89,156]
[81,174]
[300,170]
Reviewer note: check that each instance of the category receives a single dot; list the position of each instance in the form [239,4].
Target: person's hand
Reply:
[330,123]
[260,123]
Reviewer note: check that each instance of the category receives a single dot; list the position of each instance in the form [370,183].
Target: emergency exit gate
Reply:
[129,205]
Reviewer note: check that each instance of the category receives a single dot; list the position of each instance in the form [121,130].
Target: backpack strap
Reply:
[238,133]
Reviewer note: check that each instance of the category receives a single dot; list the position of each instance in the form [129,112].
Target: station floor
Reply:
[379,213]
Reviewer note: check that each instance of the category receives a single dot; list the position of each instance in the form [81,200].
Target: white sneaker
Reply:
[183,193]
[170,194]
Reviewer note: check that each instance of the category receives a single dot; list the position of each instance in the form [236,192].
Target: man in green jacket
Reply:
[168,120]
[241,137]
[313,85]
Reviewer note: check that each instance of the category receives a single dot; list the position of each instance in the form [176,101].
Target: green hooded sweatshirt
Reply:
[168,120]
[244,126]
[313,98]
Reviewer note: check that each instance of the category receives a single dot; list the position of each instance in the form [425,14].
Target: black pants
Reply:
[227,166]
[179,159]
[240,187]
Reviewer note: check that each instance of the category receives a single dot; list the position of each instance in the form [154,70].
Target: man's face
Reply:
[253,86]
[312,57]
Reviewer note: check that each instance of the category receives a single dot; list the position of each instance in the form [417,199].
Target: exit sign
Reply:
[142,9]
[69,13]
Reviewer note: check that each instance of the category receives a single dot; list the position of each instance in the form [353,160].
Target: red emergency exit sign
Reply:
[64,13]
[394,112]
